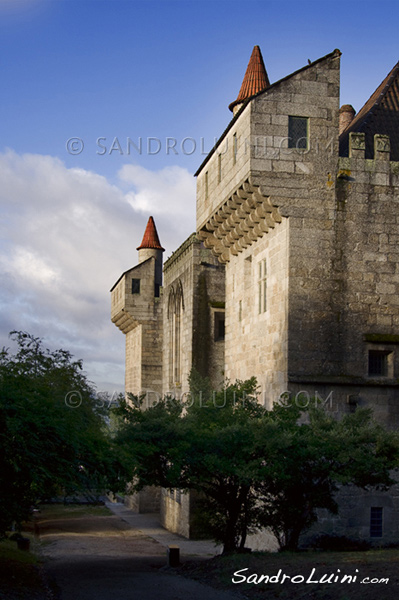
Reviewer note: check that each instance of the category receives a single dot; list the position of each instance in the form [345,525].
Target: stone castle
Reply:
[292,275]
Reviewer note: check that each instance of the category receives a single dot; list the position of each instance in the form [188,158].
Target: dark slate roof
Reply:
[380,114]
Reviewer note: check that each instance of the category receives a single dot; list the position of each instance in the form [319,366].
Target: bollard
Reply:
[23,543]
[173,556]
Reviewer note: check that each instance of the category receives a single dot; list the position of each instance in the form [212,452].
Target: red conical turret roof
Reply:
[255,78]
[150,237]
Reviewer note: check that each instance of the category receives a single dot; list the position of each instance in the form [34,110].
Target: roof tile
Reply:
[150,237]
[255,78]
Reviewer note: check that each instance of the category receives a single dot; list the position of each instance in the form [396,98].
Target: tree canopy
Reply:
[254,468]
[53,433]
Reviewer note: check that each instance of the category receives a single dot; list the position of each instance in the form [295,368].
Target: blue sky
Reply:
[91,69]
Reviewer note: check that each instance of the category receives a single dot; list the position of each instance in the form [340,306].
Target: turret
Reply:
[255,80]
[151,247]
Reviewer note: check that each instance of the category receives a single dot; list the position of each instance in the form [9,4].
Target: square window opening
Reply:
[378,363]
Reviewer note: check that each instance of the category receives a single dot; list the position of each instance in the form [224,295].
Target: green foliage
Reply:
[253,467]
[316,457]
[53,434]
[213,443]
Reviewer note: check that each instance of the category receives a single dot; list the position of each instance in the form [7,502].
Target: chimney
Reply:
[346,116]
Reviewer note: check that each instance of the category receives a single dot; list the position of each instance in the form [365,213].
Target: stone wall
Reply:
[175,512]
[256,329]
[139,315]
[178,284]
[277,203]
[181,278]
[133,359]
[327,228]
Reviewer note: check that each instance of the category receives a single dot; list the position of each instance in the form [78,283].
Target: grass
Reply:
[374,564]
[74,511]
[21,574]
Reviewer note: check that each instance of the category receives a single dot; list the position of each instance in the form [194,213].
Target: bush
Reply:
[340,543]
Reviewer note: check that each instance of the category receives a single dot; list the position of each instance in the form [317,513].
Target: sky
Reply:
[108,107]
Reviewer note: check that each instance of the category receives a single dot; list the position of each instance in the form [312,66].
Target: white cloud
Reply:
[67,235]
[171,191]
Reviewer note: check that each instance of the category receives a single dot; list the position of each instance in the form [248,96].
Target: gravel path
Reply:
[104,558]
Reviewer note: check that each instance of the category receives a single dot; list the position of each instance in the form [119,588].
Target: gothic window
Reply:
[262,286]
[298,129]
[376,521]
[175,309]
[135,286]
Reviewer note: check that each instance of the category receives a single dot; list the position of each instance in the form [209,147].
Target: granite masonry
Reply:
[293,273]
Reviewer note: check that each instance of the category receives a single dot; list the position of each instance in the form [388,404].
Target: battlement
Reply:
[377,171]
[181,250]
[357,146]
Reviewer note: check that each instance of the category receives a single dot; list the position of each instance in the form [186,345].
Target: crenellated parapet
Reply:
[377,171]
[357,146]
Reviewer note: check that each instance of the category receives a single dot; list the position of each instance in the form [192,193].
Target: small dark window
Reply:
[219,326]
[298,132]
[376,521]
[378,363]
[157,290]
[135,286]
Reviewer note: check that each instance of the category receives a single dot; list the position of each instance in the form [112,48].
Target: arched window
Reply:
[175,309]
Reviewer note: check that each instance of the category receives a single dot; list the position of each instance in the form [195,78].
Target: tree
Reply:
[213,444]
[254,468]
[53,434]
[316,457]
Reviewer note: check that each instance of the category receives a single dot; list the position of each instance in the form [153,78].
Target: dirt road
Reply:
[100,557]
